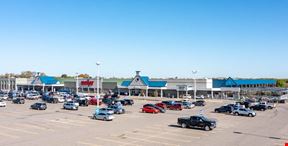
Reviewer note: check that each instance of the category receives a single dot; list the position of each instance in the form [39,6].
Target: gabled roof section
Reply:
[145,80]
[125,83]
[45,80]
[157,84]
[230,82]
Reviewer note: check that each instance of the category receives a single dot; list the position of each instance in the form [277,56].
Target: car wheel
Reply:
[207,128]
[236,114]
[216,111]
[105,119]
[262,109]
[250,115]
[183,125]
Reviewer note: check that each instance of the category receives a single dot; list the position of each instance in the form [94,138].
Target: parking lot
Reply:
[22,126]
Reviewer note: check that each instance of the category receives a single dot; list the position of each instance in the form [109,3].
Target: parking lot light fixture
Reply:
[77,83]
[195,86]
[98,84]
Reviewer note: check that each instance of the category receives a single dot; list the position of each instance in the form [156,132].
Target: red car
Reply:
[93,101]
[162,105]
[176,107]
[150,110]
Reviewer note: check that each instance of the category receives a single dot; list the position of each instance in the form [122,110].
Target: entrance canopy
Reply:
[143,82]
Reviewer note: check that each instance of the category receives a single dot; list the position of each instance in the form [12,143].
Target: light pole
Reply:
[77,84]
[9,80]
[98,86]
[195,86]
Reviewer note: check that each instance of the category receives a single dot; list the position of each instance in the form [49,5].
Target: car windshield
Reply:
[205,118]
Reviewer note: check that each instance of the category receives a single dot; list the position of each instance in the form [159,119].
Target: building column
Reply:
[129,91]
[43,87]
[178,94]
[212,94]
[147,91]
[161,93]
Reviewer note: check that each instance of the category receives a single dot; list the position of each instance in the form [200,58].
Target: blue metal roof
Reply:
[126,83]
[47,80]
[229,82]
[157,84]
[147,82]
[145,79]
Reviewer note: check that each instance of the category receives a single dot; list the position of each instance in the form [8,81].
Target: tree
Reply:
[281,83]
[64,76]
[85,76]
[26,74]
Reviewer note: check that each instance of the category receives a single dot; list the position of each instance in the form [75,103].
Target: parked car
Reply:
[175,107]
[168,103]
[172,105]
[186,104]
[49,97]
[106,111]
[82,102]
[18,100]
[149,109]
[39,106]
[32,95]
[70,106]
[224,109]
[244,112]
[197,122]
[93,101]
[118,109]
[129,101]
[2,103]
[162,105]
[103,116]
[199,103]
[156,107]
[259,107]
[269,105]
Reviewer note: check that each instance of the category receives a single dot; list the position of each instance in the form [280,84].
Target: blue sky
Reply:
[162,38]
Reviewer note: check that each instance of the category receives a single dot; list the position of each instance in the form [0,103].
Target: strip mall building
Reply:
[144,86]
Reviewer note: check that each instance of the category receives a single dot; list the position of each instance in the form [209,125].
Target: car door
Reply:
[193,121]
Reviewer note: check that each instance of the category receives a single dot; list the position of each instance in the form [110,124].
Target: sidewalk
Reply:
[175,99]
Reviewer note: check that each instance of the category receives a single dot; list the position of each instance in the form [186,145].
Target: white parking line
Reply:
[86,143]
[113,141]
[19,130]
[35,127]
[183,131]
[77,121]
[161,137]
[65,123]
[149,141]
[8,135]
[166,133]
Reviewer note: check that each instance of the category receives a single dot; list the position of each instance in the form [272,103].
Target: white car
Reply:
[2,104]
[103,116]
[70,106]
[32,96]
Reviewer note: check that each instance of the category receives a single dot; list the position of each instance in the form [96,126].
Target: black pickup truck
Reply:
[197,122]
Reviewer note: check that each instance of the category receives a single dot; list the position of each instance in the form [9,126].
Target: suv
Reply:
[224,109]
[70,106]
[199,103]
[244,112]
[156,107]
[118,109]
[19,100]
[39,106]
[197,122]
[259,107]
